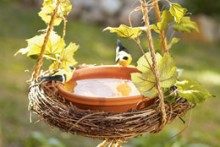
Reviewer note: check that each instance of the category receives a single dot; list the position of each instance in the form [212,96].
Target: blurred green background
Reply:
[197,55]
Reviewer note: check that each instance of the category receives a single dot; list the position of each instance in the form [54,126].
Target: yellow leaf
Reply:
[67,56]
[46,13]
[166,18]
[49,2]
[54,46]
[48,8]
[124,31]
[172,42]
[65,8]
[177,11]
[55,65]
[22,51]
[186,25]
[34,45]
[155,28]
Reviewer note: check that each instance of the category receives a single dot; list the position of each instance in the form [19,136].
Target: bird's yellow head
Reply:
[124,59]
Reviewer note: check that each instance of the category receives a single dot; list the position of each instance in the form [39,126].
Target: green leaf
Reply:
[145,62]
[167,71]
[166,18]
[145,80]
[124,31]
[172,42]
[192,91]
[177,11]
[48,9]
[186,25]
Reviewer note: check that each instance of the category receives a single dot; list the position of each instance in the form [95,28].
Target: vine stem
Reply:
[144,10]
[64,27]
[46,38]
[63,37]
[162,33]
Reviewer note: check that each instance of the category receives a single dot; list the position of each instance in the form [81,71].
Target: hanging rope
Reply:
[144,9]
[50,28]
[162,33]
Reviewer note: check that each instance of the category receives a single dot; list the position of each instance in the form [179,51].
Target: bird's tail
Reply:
[121,47]
[119,43]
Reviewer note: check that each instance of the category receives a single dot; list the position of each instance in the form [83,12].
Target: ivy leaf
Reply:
[192,91]
[167,71]
[145,83]
[177,11]
[186,25]
[172,42]
[124,31]
[48,9]
[66,58]
[166,18]
[145,62]
[22,51]
[155,28]
[54,46]
[46,13]
[65,8]
[145,80]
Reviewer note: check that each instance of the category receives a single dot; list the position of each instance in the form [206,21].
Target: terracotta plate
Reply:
[108,104]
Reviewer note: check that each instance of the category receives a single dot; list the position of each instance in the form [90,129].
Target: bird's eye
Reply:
[71,67]
[125,58]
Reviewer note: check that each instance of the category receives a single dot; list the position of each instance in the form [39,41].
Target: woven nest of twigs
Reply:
[57,111]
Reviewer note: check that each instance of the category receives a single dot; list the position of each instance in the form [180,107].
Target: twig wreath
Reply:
[157,76]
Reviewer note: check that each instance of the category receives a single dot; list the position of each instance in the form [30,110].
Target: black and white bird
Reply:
[123,58]
[61,75]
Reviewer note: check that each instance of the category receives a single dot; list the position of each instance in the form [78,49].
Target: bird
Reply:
[61,75]
[123,57]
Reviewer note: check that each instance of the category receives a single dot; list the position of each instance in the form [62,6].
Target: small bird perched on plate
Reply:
[61,75]
[123,58]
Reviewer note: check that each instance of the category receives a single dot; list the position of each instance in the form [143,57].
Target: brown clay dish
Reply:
[115,105]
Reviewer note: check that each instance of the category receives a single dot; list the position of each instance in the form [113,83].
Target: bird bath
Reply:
[103,88]
[107,87]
